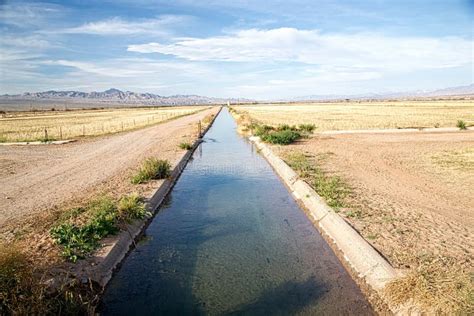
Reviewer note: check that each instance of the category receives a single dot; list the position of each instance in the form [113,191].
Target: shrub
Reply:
[131,207]
[260,130]
[152,168]
[461,125]
[185,145]
[283,137]
[286,127]
[308,128]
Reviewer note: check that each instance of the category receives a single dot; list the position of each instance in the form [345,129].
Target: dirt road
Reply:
[412,193]
[36,178]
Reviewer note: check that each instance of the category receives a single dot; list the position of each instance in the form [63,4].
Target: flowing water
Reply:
[231,239]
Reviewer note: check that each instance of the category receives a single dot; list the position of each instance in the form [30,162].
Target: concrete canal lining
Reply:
[232,239]
[362,258]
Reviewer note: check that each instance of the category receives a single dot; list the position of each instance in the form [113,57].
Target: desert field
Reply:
[365,115]
[31,126]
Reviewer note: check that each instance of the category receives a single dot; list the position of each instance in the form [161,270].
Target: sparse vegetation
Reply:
[461,125]
[24,290]
[354,115]
[103,218]
[331,188]
[152,168]
[439,284]
[79,240]
[185,146]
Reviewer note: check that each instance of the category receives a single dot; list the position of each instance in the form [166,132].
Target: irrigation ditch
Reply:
[368,268]
[100,267]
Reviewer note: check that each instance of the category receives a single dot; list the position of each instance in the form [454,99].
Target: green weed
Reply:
[308,128]
[461,125]
[78,241]
[132,207]
[185,145]
[152,168]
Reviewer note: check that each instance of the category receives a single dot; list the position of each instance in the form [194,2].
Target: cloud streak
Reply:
[119,26]
[359,50]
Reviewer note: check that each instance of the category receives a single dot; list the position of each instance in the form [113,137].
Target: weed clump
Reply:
[461,125]
[105,216]
[185,146]
[132,207]
[152,168]
[308,128]
[282,137]
[283,134]
[79,240]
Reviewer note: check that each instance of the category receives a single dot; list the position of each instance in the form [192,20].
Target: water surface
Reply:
[231,240]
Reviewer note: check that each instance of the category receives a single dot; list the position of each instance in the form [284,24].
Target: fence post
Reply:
[83,130]
[45,134]
[199,129]
[60,132]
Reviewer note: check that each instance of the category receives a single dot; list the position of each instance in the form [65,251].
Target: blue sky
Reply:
[253,49]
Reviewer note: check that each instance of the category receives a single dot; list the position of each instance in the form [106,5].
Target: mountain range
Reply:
[118,96]
[128,97]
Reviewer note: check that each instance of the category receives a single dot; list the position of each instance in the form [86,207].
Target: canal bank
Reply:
[231,239]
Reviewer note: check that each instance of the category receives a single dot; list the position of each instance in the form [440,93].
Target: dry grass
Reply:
[364,115]
[439,285]
[30,126]
[462,160]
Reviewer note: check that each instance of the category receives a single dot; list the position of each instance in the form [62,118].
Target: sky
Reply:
[236,48]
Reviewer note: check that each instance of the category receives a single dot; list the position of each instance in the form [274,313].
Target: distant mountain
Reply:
[118,96]
[461,91]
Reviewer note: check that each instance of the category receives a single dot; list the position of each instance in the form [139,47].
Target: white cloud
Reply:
[355,51]
[24,15]
[118,26]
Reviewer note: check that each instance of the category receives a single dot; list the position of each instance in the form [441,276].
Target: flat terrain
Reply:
[30,126]
[365,115]
[411,193]
[37,178]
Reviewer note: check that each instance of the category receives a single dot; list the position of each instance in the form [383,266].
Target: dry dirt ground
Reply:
[38,178]
[412,194]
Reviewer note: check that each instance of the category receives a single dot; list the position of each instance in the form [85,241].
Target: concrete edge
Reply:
[102,265]
[360,256]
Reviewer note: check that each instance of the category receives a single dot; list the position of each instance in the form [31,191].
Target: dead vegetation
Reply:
[56,125]
[364,115]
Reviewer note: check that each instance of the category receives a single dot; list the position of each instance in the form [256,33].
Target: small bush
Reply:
[260,130]
[308,128]
[185,145]
[131,207]
[461,125]
[286,127]
[152,168]
[283,137]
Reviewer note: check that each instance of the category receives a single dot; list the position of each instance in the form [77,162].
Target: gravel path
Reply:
[36,178]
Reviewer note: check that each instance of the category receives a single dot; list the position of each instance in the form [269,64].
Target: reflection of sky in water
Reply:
[231,240]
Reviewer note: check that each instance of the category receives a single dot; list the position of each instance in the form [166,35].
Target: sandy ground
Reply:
[38,178]
[412,193]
